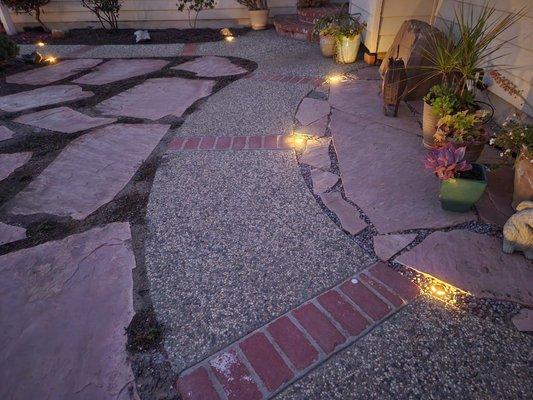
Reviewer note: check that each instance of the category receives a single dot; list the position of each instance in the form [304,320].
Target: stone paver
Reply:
[474,263]
[211,67]
[63,310]
[317,128]
[117,70]
[311,110]
[10,162]
[52,73]
[323,180]
[316,154]
[399,193]
[63,119]
[347,214]
[42,97]
[386,246]
[157,98]
[5,133]
[10,233]
[89,172]
[524,320]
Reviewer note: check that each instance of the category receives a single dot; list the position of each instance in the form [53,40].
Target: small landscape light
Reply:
[40,44]
[438,290]
[335,78]
[51,59]
[229,38]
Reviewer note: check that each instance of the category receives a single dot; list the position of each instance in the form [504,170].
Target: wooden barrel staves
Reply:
[394,83]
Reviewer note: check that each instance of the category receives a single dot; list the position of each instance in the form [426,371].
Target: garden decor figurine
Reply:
[518,231]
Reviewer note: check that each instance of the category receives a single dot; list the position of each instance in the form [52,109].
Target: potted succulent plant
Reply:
[258,10]
[516,140]
[463,128]
[441,100]
[462,183]
[347,31]
[325,29]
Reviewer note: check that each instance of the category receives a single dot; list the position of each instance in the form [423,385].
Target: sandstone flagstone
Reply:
[311,110]
[10,162]
[10,233]
[474,263]
[117,70]
[52,73]
[157,98]
[317,128]
[42,97]
[316,154]
[385,246]
[63,310]
[323,180]
[89,172]
[211,67]
[5,133]
[347,214]
[63,119]
[524,320]
[382,172]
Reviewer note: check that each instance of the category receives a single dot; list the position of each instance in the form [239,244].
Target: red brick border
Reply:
[295,80]
[274,356]
[224,143]
[189,49]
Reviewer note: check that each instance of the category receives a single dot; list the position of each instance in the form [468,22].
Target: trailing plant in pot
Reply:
[441,100]
[463,128]
[347,32]
[462,183]
[516,140]
[325,29]
[258,10]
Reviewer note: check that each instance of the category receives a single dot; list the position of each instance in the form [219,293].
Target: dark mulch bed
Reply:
[125,36]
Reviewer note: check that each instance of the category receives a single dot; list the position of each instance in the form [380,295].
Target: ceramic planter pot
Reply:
[327,45]
[347,49]
[429,127]
[461,193]
[259,19]
[523,179]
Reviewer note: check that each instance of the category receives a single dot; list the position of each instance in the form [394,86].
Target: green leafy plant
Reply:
[254,5]
[348,25]
[31,7]
[463,127]
[445,100]
[325,26]
[194,7]
[8,50]
[107,12]
[312,3]
[514,137]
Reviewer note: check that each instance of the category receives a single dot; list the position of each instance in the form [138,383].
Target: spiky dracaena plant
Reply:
[254,4]
[447,161]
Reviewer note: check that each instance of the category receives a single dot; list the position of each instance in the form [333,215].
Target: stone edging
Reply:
[265,142]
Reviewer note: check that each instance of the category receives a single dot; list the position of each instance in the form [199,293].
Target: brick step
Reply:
[291,26]
[266,361]
[312,14]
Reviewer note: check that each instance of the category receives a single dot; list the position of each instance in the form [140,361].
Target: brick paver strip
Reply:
[189,49]
[239,143]
[341,310]
[223,143]
[266,361]
[207,143]
[255,142]
[271,142]
[176,144]
[191,144]
[197,385]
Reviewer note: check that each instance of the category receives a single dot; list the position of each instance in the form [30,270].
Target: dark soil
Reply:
[88,36]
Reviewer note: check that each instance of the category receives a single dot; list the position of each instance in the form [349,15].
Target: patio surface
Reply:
[171,187]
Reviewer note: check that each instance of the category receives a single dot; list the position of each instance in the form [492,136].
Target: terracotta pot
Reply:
[327,45]
[473,151]
[523,179]
[429,127]
[259,19]
[347,49]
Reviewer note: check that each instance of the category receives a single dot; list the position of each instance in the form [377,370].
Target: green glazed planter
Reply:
[460,194]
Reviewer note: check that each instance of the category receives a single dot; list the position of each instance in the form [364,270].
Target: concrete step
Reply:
[291,26]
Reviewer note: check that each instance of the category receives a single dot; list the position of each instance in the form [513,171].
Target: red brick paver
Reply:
[371,304]
[196,386]
[319,327]
[340,309]
[224,143]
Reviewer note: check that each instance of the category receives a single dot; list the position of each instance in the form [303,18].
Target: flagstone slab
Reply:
[10,233]
[311,110]
[368,73]
[157,98]
[63,310]
[385,246]
[361,98]
[42,97]
[474,263]
[10,162]
[5,133]
[63,119]
[523,321]
[53,73]
[317,128]
[89,172]
[117,70]
[323,180]
[347,214]
[211,67]
[316,154]
[382,172]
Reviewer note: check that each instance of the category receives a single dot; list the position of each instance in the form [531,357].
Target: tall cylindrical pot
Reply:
[258,19]
[523,179]
[327,45]
[347,49]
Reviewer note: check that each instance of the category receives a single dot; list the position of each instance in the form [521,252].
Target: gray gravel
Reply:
[426,352]
[236,239]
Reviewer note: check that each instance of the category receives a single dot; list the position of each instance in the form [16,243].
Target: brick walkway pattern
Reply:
[271,358]
[268,142]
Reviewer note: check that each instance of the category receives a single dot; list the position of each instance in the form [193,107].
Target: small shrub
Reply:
[254,4]
[8,50]
[461,127]
[514,137]
[107,11]
[195,7]
[31,7]
[312,3]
